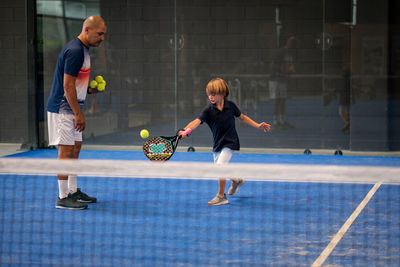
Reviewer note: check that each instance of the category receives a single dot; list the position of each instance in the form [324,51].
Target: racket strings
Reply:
[158,148]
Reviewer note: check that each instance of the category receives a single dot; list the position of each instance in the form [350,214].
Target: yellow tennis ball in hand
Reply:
[99,79]
[144,133]
[93,84]
[101,87]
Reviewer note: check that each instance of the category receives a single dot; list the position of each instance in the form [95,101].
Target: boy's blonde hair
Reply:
[217,86]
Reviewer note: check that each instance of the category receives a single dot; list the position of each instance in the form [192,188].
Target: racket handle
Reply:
[187,131]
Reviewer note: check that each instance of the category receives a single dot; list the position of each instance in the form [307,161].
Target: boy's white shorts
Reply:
[223,156]
[62,130]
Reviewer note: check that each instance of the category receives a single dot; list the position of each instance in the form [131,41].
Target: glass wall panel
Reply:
[267,53]
[317,70]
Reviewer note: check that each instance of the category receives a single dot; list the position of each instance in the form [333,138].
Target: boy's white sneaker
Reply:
[235,186]
[218,200]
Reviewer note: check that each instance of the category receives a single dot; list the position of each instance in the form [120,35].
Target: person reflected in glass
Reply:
[281,68]
[343,91]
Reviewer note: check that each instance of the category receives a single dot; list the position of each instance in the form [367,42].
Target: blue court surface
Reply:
[167,222]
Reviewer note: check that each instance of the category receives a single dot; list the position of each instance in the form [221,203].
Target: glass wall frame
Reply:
[159,55]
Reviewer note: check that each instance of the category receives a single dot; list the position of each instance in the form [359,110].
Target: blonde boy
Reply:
[220,116]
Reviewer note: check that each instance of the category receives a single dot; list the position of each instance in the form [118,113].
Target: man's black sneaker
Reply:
[70,203]
[82,197]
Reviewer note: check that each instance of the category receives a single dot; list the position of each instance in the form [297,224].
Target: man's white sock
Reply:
[72,183]
[62,188]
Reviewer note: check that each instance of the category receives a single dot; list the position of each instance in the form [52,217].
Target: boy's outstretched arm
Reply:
[262,126]
[192,125]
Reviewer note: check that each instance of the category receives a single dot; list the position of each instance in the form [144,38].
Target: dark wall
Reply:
[13,72]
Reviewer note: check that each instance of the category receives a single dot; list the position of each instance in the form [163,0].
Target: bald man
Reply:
[64,107]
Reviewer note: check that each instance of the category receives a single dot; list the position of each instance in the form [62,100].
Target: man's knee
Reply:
[65,152]
[77,149]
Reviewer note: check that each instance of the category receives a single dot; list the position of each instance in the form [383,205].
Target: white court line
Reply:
[335,240]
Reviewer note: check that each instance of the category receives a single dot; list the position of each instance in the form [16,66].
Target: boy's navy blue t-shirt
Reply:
[222,125]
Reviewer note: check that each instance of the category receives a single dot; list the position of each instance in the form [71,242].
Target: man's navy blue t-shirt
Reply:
[74,60]
[222,125]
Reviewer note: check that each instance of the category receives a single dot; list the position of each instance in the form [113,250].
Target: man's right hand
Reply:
[80,122]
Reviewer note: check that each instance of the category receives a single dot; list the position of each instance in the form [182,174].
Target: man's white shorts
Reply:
[62,129]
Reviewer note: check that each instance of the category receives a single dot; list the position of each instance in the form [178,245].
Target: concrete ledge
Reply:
[10,148]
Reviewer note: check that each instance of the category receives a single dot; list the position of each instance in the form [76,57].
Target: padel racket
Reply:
[161,148]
